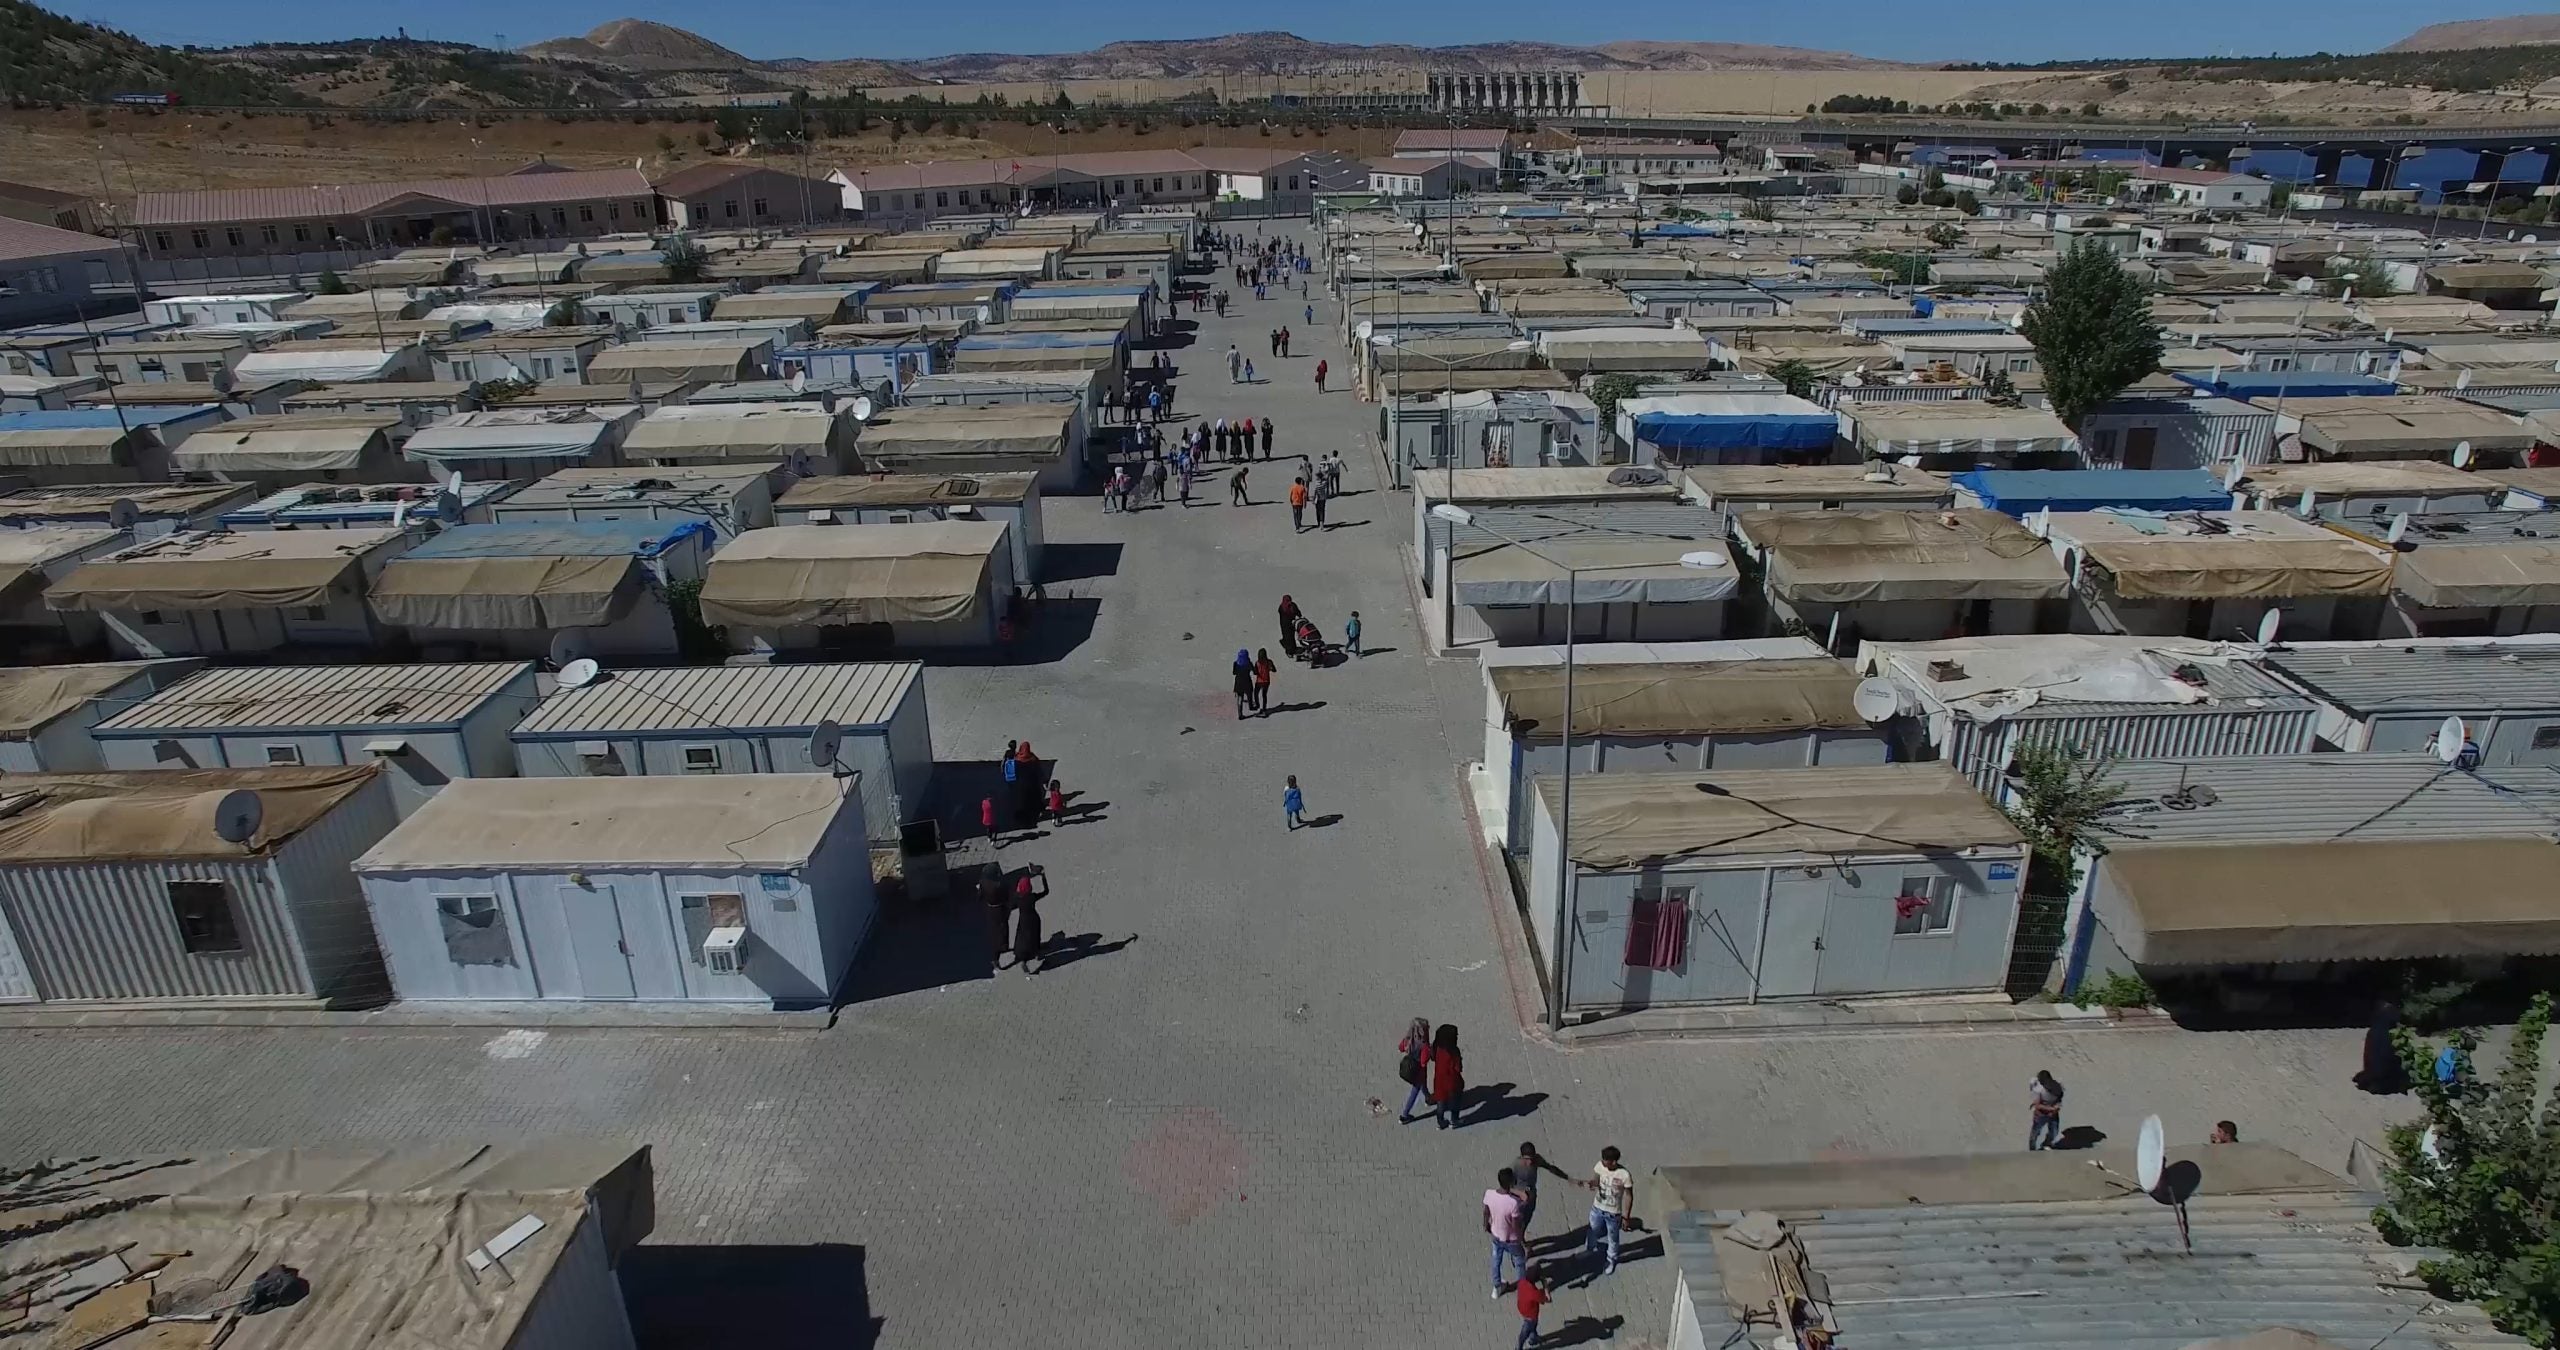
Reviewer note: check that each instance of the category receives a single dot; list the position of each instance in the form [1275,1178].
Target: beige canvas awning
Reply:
[204,582]
[2514,572]
[62,447]
[1687,697]
[1628,820]
[1965,426]
[2216,568]
[528,592]
[317,450]
[791,575]
[733,431]
[2330,900]
[1851,557]
[1036,431]
[88,818]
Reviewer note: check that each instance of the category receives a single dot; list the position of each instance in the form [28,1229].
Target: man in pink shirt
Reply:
[1502,1223]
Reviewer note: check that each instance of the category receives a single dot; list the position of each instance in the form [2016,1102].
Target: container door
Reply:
[595,941]
[1791,953]
[1857,934]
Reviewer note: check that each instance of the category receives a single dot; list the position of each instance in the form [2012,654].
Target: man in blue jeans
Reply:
[1502,1223]
[1613,1198]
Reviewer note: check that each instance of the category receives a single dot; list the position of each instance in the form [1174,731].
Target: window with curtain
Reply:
[1658,930]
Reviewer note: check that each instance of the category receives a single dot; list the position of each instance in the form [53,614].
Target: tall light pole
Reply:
[1702,560]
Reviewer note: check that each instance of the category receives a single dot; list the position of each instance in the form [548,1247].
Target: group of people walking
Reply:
[1511,1205]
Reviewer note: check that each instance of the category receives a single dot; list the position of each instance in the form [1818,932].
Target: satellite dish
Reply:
[2449,739]
[800,381]
[122,513]
[236,817]
[580,673]
[2462,454]
[2269,624]
[2232,474]
[448,507]
[2310,499]
[862,409]
[1876,700]
[825,740]
[2399,528]
[400,514]
[567,645]
[2150,1153]
[453,482]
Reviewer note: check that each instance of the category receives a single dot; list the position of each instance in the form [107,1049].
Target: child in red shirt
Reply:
[1532,1297]
[1057,803]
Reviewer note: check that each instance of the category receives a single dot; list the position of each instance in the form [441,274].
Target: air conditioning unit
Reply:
[724,950]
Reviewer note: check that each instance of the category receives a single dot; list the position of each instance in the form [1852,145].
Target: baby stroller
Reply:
[1312,648]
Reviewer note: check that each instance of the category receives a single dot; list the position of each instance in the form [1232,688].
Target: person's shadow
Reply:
[1583,1330]
[1319,822]
[1493,1101]
[1066,951]
[2079,1136]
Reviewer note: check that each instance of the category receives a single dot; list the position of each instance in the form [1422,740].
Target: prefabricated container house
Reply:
[1845,575]
[1745,712]
[426,725]
[513,589]
[861,589]
[157,508]
[524,442]
[1010,499]
[744,719]
[2395,695]
[46,711]
[1764,884]
[31,561]
[731,499]
[233,593]
[129,887]
[746,888]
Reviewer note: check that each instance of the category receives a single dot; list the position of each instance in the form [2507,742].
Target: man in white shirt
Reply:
[1613,1202]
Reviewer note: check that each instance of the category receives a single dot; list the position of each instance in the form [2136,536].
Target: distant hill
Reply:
[640,44]
[47,58]
[1274,53]
[2522,30]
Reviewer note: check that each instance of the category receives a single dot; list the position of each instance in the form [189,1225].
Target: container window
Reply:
[206,925]
[284,754]
[1924,905]
[475,930]
[2547,738]
[702,759]
[702,913]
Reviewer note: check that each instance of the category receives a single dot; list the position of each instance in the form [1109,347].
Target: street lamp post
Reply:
[1702,560]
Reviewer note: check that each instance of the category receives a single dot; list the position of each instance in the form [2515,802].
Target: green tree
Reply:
[1607,390]
[1759,208]
[2092,330]
[1796,376]
[1968,203]
[2059,792]
[2479,1178]
[567,314]
[1907,194]
[685,260]
[331,283]
[1944,234]
[1999,388]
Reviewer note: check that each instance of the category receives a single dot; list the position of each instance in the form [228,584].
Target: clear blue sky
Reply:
[1985,30]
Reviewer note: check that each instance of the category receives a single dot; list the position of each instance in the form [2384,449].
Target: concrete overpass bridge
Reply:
[2380,148]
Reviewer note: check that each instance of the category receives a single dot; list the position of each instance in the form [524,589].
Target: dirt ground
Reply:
[117,153]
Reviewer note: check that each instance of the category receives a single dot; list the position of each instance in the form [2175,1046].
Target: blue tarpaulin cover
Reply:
[2291,384]
[1737,431]
[2015,492]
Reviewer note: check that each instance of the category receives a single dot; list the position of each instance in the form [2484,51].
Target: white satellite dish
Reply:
[1876,700]
[236,817]
[2449,739]
[2310,499]
[800,381]
[825,739]
[2232,473]
[2150,1153]
[453,482]
[122,513]
[2269,624]
[580,673]
[2399,528]
[569,645]
[862,409]
[2462,454]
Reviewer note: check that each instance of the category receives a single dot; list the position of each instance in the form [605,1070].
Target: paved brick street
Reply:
[1172,1142]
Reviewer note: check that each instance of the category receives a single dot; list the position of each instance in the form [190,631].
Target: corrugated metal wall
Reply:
[1981,751]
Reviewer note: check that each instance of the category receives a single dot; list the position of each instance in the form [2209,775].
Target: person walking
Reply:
[1235,363]
[1413,1056]
[1526,1168]
[2044,1111]
[1262,670]
[987,814]
[1027,939]
[1293,803]
[1288,625]
[1029,777]
[1012,768]
[1531,1299]
[1311,314]
[1057,802]
[1351,633]
[1235,489]
[1155,481]
[1298,505]
[1613,1200]
[1322,494]
[1186,480]
[1275,342]
[1448,1076]
[1248,370]
[1320,371]
[1284,340]
[1266,438]
[1244,672]
[1502,1224]
[997,898]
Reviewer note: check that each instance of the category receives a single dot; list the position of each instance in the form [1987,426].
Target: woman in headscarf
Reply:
[1262,668]
[1028,776]
[1244,683]
[1288,625]
[1413,1066]
[1448,1074]
[1027,940]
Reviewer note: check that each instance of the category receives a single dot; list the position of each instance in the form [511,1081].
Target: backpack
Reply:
[1409,1066]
